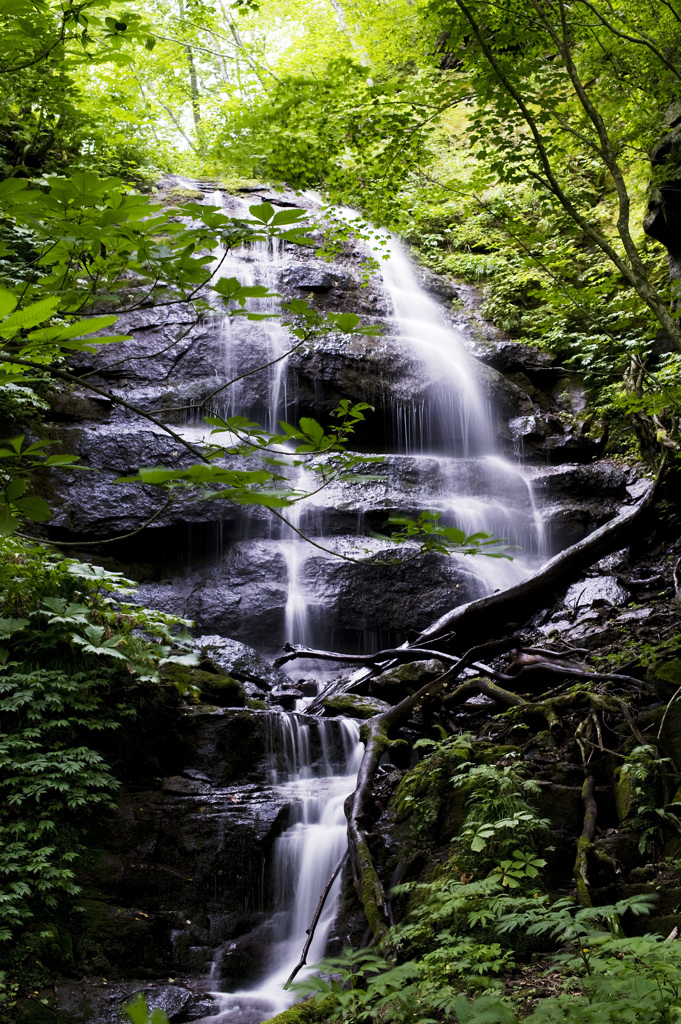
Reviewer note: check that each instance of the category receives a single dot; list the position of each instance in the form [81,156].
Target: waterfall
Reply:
[304,855]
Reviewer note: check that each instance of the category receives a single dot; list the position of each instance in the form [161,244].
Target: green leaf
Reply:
[29,317]
[35,509]
[8,302]
[288,216]
[10,626]
[8,522]
[15,489]
[263,213]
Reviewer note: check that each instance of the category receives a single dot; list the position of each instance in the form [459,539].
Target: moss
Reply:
[116,940]
[32,1011]
[625,791]
[493,753]
[399,753]
[256,705]
[666,676]
[312,1012]
[354,706]
[219,689]
[185,195]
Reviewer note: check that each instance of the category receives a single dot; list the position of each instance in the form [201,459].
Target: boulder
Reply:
[399,682]
[597,591]
[243,663]
[352,705]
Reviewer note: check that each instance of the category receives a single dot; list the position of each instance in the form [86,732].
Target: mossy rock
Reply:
[312,1012]
[215,688]
[402,680]
[32,1011]
[185,195]
[351,705]
[625,793]
[670,738]
[666,676]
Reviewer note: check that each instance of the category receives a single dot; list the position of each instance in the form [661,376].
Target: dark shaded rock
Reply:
[285,698]
[319,279]
[667,677]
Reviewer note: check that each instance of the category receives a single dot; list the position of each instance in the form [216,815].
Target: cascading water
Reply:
[304,855]
[449,438]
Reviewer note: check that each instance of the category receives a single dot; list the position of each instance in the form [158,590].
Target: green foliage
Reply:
[431,535]
[139,1013]
[77,663]
[365,986]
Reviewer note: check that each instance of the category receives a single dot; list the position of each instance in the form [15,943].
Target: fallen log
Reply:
[504,610]
[400,654]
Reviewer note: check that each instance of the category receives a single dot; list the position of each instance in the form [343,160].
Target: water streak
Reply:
[314,779]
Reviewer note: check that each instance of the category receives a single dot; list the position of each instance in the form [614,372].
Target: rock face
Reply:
[237,571]
[663,220]
[183,879]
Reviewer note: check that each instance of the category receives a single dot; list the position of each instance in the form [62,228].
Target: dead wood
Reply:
[571,669]
[400,654]
[507,608]
[367,884]
[315,920]
[488,688]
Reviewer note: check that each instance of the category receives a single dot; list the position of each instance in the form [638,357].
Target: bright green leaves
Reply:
[285,224]
[17,460]
[13,320]
[15,504]
[243,487]
[139,1013]
[231,290]
[431,535]
[95,642]
[73,660]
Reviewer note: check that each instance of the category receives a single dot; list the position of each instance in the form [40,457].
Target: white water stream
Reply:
[304,856]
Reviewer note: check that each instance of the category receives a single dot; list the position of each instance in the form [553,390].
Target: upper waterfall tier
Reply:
[444,431]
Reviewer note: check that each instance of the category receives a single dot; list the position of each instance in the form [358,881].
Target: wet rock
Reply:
[171,999]
[600,478]
[568,523]
[597,591]
[635,615]
[246,592]
[611,563]
[244,663]
[531,428]
[571,395]
[512,356]
[319,279]
[638,488]
[286,698]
